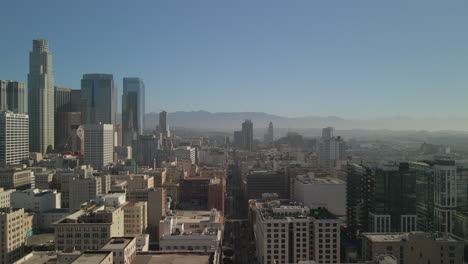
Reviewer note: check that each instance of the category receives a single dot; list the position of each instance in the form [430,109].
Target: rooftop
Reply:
[192,216]
[310,179]
[396,237]
[118,243]
[173,258]
[282,209]
[92,257]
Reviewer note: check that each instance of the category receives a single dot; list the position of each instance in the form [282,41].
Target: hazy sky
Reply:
[354,59]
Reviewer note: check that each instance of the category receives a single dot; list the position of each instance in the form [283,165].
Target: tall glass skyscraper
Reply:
[98,99]
[133,109]
[41,98]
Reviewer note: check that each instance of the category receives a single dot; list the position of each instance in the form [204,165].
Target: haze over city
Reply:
[354,60]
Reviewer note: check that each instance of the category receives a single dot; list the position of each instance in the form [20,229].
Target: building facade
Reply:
[133,109]
[99,99]
[12,233]
[12,94]
[41,98]
[98,145]
[14,138]
[414,247]
[286,232]
[89,229]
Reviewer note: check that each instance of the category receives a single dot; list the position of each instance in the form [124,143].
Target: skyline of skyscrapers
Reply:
[41,98]
[133,109]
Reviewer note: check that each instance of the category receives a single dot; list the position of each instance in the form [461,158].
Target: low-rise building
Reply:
[123,249]
[89,228]
[95,257]
[191,230]
[36,200]
[16,178]
[47,219]
[414,247]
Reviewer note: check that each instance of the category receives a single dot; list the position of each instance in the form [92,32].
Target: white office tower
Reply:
[98,145]
[445,194]
[41,98]
[14,138]
[331,149]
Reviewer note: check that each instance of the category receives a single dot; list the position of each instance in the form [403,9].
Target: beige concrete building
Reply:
[414,247]
[138,186]
[191,230]
[89,228]
[15,178]
[5,197]
[140,181]
[12,235]
[83,190]
[123,249]
[286,232]
[135,218]
[95,257]
[157,207]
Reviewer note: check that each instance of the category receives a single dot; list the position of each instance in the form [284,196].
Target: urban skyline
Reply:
[376,52]
[81,182]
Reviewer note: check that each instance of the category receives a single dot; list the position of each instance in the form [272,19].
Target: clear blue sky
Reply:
[354,59]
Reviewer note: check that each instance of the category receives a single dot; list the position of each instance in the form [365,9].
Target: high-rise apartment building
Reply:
[133,109]
[357,199]
[247,135]
[12,94]
[41,98]
[14,138]
[287,232]
[99,99]
[13,235]
[98,145]
[445,194]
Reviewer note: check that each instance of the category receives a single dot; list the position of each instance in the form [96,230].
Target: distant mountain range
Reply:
[230,121]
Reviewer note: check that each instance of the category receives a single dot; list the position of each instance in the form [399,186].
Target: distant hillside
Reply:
[229,121]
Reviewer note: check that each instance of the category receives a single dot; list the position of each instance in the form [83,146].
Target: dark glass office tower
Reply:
[133,109]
